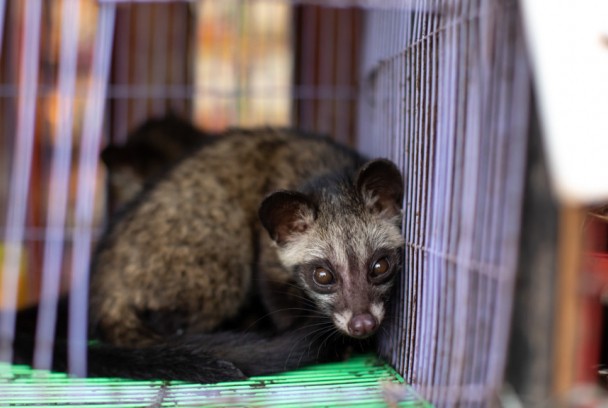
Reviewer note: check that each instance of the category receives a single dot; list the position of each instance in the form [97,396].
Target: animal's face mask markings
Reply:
[354,294]
[345,247]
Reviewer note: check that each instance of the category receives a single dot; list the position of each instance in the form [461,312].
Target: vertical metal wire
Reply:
[425,278]
[58,185]
[465,220]
[87,177]
[458,273]
[426,119]
[463,126]
[396,341]
[427,139]
[8,114]
[410,281]
[408,296]
[2,23]
[20,174]
[487,202]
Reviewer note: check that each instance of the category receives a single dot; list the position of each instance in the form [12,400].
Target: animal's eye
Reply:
[380,267]
[322,276]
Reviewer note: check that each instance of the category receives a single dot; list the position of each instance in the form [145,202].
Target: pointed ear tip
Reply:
[108,149]
[386,164]
[111,153]
[381,165]
[280,200]
[275,197]
[266,205]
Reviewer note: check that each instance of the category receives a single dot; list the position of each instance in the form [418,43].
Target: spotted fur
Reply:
[246,220]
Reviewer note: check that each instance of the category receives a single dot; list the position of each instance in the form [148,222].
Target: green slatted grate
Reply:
[360,381]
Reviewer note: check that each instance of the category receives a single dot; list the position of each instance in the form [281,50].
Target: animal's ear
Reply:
[286,214]
[113,155]
[381,186]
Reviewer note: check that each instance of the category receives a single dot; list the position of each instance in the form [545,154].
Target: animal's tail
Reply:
[202,358]
[208,358]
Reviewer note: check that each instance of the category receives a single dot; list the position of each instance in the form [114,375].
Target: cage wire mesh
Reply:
[447,97]
[440,87]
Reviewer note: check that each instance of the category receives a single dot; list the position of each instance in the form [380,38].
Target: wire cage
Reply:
[440,87]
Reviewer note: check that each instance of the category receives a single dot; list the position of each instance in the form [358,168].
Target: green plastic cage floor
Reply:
[360,381]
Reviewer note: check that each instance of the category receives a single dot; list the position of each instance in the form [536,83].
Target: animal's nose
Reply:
[362,325]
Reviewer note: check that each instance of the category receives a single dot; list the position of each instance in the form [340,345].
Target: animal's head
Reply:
[343,242]
[149,151]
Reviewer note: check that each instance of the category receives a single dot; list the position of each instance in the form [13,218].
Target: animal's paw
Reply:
[226,371]
[207,371]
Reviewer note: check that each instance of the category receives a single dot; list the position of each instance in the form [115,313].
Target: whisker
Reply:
[318,333]
[322,327]
[333,333]
[312,313]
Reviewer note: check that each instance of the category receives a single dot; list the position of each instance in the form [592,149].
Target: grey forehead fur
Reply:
[344,227]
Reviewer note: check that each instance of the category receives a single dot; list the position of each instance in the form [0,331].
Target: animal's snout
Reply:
[362,325]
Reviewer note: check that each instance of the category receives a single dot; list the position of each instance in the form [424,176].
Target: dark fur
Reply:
[201,358]
[230,239]
[150,150]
